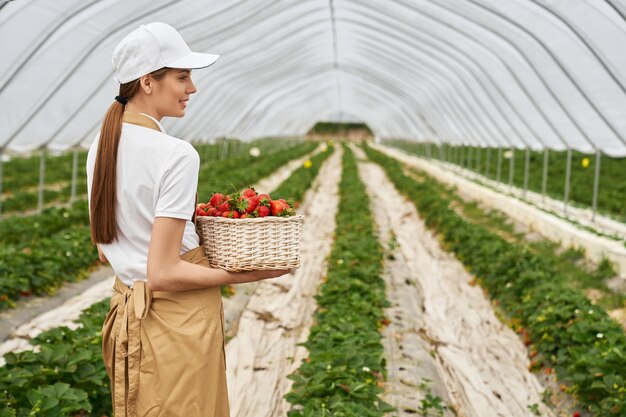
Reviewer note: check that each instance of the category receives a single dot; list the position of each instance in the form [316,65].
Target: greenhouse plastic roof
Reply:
[523,73]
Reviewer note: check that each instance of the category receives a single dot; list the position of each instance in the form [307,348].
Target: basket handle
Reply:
[195,223]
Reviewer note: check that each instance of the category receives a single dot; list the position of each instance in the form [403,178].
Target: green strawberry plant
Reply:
[611,192]
[569,334]
[66,377]
[342,375]
[39,253]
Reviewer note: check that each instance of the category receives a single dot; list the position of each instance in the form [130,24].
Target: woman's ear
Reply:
[146,83]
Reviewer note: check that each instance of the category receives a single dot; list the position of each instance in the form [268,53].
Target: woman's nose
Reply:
[192,88]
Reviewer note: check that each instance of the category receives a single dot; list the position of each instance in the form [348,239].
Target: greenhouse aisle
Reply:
[481,362]
[279,313]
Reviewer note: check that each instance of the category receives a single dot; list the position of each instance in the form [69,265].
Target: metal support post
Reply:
[74,176]
[42,175]
[499,169]
[596,184]
[1,180]
[488,163]
[526,163]
[568,172]
[544,179]
[511,167]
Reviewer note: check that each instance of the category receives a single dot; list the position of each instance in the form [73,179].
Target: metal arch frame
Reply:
[620,9]
[89,52]
[565,72]
[510,71]
[447,102]
[366,90]
[90,97]
[436,91]
[463,80]
[241,82]
[61,20]
[312,94]
[496,85]
[217,96]
[365,41]
[299,99]
[556,99]
[584,40]
[584,95]
[63,79]
[278,98]
[453,62]
[356,72]
[582,131]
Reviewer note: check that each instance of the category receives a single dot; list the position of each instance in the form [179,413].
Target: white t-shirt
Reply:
[157,176]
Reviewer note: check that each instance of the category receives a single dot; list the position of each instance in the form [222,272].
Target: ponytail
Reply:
[103,188]
[103,195]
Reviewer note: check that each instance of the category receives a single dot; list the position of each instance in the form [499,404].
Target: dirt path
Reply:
[280,312]
[482,363]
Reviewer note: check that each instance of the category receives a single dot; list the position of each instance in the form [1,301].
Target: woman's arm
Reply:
[168,272]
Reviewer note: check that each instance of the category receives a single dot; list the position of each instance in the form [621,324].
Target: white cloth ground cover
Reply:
[279,313]
[482,363]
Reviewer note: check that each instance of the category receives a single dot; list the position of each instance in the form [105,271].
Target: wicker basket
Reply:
[251,244]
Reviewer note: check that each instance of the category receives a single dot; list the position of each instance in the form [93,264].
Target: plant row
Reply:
[59,248]
[564,330]
[250,204]
[67,375]
[21,175]
[611,191]
[345,367]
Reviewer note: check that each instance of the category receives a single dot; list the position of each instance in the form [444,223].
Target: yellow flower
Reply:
[307,164]
[585,162]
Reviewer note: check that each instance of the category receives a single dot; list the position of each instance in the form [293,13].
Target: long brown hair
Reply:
[103,192]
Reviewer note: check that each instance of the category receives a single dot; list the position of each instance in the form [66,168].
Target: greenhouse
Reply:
[313,208]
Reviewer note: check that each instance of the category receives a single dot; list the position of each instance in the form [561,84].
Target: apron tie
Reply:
[133,304]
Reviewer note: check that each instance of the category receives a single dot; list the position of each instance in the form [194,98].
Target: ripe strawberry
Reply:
[249,192]
[576,414]
[264,200]
[231,214]
[200,212]
[287,211]
[247,204]
[263,211]
[211,211]
[225,206]
[244,216]
[276,207]
[216,199]
[219,213]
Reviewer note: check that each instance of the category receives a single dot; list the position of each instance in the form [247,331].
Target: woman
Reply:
[163,339]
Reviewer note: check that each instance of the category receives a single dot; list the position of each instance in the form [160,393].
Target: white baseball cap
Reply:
[151,47]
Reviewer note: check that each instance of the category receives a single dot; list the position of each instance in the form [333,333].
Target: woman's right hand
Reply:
[252,276]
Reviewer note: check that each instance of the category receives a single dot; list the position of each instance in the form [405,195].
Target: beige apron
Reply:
[164,350]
